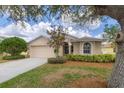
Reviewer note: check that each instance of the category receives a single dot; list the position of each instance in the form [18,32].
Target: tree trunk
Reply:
[117,77]
[56,51]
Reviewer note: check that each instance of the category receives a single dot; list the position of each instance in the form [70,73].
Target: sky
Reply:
[33,30]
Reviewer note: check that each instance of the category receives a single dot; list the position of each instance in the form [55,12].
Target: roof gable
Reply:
[67,36]
[41,36]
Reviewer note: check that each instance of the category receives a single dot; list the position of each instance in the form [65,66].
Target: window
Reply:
[87,48]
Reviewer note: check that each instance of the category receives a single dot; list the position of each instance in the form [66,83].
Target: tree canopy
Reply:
[13,46]
[110,32]
[79,14]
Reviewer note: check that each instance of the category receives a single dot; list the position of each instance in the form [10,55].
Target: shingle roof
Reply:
[88,39]
[75,39]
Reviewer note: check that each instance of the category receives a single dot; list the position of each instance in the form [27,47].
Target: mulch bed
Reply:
[91,64]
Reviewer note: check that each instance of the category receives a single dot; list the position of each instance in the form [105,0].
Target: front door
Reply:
[65,48]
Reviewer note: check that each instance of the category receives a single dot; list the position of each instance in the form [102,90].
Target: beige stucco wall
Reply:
[76,48]
[95,48]
[40,41]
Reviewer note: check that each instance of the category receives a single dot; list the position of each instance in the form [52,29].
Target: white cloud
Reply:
[79,33]
[28,32]
[99,36]
[93,24]
[90,24]
[85,34]
[72,32]
[69,28]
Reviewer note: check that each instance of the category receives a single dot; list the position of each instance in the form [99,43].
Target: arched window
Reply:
[87,48]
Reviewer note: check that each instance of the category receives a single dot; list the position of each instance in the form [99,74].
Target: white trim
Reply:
[80,47]
[92,46]
[69,46]
[39,45]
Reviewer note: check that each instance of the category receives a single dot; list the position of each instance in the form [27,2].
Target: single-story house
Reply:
[86,45]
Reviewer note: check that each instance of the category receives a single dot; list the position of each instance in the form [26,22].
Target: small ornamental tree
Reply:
[13,46]
[57,37]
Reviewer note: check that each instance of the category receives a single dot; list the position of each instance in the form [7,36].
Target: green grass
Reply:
[72,76]
[37,77]
[1,57]
[102,72]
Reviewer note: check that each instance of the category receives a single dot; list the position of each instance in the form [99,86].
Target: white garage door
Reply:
[41,51]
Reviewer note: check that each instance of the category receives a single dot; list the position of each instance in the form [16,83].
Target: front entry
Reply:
[66,48]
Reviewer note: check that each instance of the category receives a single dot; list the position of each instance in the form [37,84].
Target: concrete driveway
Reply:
[11,69]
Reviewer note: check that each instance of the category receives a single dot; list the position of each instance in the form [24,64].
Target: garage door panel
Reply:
[41,51]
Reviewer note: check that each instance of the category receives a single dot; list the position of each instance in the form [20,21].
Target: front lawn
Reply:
[70,74]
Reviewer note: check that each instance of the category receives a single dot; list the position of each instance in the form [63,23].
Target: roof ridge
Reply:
[89,37]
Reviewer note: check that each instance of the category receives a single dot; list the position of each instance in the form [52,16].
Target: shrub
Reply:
[58,60]
[13,57]
[13,46]
[91,58]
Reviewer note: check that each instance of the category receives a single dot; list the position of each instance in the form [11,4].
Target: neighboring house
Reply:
[87,45]
[107,48]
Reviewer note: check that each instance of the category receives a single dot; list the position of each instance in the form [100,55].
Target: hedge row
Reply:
[91,58]
[59,60]
[13,57]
